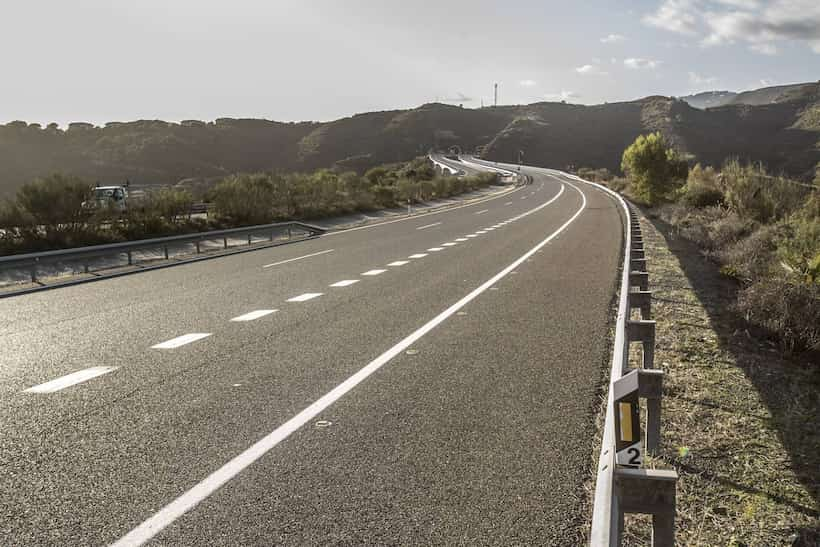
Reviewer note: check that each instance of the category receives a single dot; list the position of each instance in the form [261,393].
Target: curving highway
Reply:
[431,380]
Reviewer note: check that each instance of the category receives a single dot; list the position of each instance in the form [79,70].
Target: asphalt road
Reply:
[448,399]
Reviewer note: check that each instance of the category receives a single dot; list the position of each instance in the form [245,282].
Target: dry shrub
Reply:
[785,305]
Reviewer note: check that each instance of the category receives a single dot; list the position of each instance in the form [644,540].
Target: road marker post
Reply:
[628,443]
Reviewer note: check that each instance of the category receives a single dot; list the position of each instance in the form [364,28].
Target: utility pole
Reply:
[495,94]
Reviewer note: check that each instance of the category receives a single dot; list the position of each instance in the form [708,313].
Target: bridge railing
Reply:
[35,263]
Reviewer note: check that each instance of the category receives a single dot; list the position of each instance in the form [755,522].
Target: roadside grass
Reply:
[740,422]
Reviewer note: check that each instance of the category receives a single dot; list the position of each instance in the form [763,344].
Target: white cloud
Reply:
[676,16]
[563,96]
[613,39]
[527,83]
[590,70]
[636,63]
[756,23]
[698,80]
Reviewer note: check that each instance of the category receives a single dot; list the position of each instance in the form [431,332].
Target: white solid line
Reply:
[345,283]
[416,217]
[70,379]
[190,499]
[418,255]
[305,297]
[374,272]
[461,239]
[448,244]
[253,315]
[399,263]
[181,340]
[482,212]
[298,258]
[435,249]
[428,226]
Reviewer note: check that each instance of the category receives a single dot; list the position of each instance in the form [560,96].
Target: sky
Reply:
[115,60]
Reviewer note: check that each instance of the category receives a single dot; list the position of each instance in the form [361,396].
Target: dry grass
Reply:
[740,422]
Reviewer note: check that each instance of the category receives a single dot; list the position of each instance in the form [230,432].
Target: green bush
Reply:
[244,199]
[701,189]
[753,194]
[653,167]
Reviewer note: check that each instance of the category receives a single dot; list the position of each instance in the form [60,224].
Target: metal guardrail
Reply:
[621,485]
[34,262]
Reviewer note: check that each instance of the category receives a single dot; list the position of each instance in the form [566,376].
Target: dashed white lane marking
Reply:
[523,197]
[70,380]
[181,340]
[345,283]
[428,226]
[461,239]
[297,258]
[482,232]
[472,235]
[253,315]
[482,211]
[490,229]
[435,249]
[399,263]
[418,255]
[374,272]
[160,520]
[450,244]
[305,297]
[508,203]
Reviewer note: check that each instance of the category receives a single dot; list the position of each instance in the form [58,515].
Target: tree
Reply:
[55,202]
[653,167]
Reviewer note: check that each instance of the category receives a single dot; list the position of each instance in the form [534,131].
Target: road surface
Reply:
[424,381]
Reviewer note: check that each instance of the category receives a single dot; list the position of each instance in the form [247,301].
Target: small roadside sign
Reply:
[628,443]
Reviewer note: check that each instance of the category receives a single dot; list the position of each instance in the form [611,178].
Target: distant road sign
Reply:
[628,443]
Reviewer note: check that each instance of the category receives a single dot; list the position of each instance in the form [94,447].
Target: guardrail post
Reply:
[34,271]
[643,301]
[639,279]
[644,332]
[637,253]
[225,242]
[130,258]
[165,248]
[249,239]
[637,264]
[271,235]
[290,235]
[197,246]
[651,492]
[650,387]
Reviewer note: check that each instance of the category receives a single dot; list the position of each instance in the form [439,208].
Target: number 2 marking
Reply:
[635,456]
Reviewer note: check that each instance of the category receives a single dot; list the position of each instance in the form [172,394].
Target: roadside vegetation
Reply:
[48,213]
[763,231]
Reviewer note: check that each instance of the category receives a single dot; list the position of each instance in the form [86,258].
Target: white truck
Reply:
[108,197]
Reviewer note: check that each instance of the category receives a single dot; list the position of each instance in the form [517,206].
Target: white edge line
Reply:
[69,380]
[297,258]
[431,213]
[184,503]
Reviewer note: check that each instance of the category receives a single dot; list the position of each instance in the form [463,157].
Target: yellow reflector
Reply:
[626,421]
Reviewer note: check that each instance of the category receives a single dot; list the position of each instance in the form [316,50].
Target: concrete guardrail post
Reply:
[650,492]
[643,332]
[641,300]
[650,387]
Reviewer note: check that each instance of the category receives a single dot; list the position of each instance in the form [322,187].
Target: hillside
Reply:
[709,99]
[783,131]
